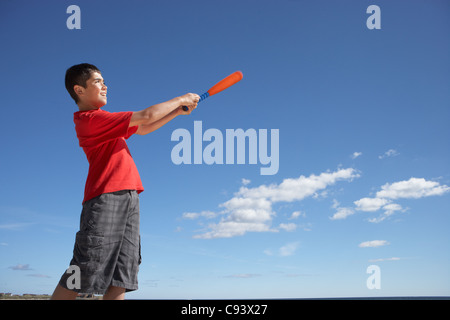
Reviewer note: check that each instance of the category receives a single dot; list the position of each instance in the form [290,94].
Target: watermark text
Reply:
[235,147]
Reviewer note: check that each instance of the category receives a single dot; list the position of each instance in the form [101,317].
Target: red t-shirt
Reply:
[102,136]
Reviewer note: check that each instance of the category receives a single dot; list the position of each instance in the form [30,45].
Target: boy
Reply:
[107,246]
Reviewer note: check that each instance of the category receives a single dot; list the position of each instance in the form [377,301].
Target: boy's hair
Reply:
[78,75]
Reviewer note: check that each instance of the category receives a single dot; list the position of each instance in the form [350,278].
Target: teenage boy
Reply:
[107,246]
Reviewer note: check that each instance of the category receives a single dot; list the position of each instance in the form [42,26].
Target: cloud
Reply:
[342,213]
[194,215]
[250,210]
[356,155]
[245,181]
[287,250]
[414,188]
[228,229]
[385,259]
[297,214]
[373,244]
[37,275]
[26,267]
[370,204]
[305,226]
[14,226]
[288,226]
[296,189]
[375,204]
[151,283]
[243,209]
[21,267]
[389,153]
[243,275]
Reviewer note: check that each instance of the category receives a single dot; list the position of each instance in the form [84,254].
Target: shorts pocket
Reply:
[90,215]
[89,251]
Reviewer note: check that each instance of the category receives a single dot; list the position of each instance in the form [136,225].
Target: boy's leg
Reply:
[114,293]
[61,293]
[127,264]
[107,247]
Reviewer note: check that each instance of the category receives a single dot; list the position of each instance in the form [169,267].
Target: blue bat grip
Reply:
[202,97]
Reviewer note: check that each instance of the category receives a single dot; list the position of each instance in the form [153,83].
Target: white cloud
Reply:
[389,210]
[305,227]
[342,213]
[389,153]
[194,215]
[37,275]
[190,215]
[296,189]
[373,244]
[243,275]
[14,226]
[356,155]
[297,214]
[22,267]
[245,181]
[392,207]
[414,188]
[228,229]
[288,226]
[370,204]
[385,259]
[289,249]
[336,204]
[250,210]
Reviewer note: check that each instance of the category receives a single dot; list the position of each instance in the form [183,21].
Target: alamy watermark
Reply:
[374,20]
[74,20]
[74,281]
[374,280]
[235,147]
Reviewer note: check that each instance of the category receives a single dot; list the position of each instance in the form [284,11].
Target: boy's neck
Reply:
[82,107]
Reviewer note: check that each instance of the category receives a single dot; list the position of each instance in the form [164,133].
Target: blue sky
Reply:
[364,158]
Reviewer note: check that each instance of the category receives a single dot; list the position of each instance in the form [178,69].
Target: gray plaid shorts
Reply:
[107,247]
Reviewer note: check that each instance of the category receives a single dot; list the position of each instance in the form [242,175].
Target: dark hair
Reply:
[78,75]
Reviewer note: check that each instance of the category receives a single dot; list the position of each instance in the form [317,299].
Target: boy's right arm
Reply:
[158,111]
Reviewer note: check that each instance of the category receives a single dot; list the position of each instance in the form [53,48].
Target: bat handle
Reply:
[202,97]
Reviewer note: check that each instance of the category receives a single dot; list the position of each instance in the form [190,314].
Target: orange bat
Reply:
[220,86]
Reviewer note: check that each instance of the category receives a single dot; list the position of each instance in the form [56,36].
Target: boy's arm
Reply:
[159,111]
[147,128]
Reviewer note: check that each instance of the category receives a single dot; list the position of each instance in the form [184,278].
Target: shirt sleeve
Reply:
[131,131]
[104,126]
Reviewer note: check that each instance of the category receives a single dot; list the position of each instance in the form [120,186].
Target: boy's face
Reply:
[94,95]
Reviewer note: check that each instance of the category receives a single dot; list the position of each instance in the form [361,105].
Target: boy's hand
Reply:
[189,100]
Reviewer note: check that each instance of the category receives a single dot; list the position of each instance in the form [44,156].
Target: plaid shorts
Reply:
[107,248]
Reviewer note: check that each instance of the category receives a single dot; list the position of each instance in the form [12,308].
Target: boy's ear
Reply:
[78,89]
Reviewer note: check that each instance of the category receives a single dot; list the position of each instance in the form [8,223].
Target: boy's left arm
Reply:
[144,129]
